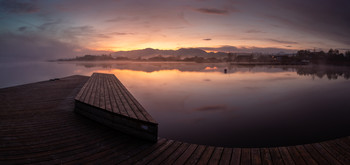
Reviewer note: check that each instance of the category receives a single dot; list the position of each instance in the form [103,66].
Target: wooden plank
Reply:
[226,156]
[147,116]
[305,154]
[133,107]
[93,154]
[166,154]
[336,144]
[256,156]
[107,95]
[85,88]
[137,109]
[125,104]
[145,152]
[117,153]
[93,90]
[96,92]
[117,108]
[316,155]
[236,156]
[193,159]
[296,155]
[215,158]
[82,92]
[343,145]
[155,153]
[102,103]
[127,155]
[188,152]
[276,156]
[245,157]
[118,100]
[346,140]
[89,93]
[325,154]
[333,150]
[288,160]
[142,110]
[121,123]
[206,155]
[174,156]
[112,101]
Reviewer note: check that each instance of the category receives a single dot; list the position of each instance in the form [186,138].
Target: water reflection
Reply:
[331,72]
[248,106]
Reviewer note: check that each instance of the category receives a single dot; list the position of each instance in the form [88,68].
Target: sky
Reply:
[46,29]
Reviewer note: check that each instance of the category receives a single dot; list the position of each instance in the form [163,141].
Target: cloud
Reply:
[76,31]
[282,41]
[121,33]
[31,47]
[254,31]
[225,48]
[207,39]
[329,20]
[212,11]
[49,25]
[15,6]
[271,40]
[22,28]
[119,19]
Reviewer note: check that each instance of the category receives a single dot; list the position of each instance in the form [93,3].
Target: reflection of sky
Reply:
[190,108]
[210,107]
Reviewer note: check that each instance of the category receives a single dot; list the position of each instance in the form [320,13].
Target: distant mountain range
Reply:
[192,52]
[183,52]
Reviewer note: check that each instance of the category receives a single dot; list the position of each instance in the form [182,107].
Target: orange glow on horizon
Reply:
[171,75]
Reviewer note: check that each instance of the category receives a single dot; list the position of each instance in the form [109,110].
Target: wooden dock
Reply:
[104,99]
[38,125]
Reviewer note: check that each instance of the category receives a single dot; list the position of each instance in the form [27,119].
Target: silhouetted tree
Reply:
[347,55]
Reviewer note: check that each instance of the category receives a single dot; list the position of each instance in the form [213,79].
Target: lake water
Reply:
[199,103]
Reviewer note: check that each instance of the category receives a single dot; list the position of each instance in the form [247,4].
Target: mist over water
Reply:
[199,103]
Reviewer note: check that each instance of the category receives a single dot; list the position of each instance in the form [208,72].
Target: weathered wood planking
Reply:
[39,127]
[104,99]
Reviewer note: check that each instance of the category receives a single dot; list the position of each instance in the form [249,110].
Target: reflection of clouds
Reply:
[211,108]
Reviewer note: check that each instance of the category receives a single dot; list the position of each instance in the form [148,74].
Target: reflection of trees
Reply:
[320,71]
[93,65]
[155,66]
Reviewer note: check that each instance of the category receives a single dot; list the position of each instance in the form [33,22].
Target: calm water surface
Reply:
[199,103]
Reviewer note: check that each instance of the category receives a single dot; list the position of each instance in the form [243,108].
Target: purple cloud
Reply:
[282,41]
[212,11]
[15,6]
